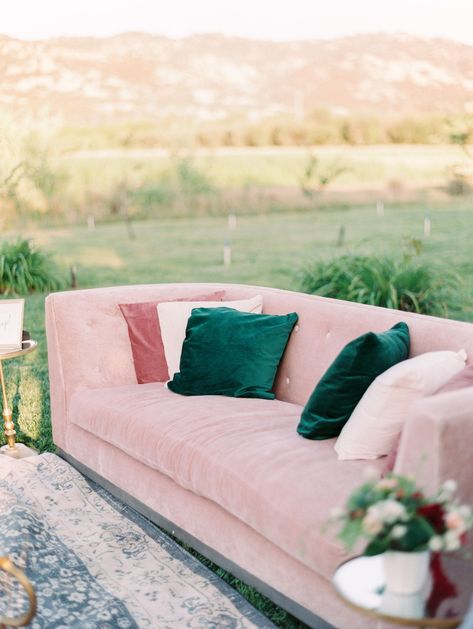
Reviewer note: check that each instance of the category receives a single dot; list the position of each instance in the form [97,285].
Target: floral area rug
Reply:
[96,563]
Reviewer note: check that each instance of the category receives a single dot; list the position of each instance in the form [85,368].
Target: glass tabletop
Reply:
[26,347]
[443,602]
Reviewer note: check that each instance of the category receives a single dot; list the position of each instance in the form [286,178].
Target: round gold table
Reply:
[13,449]
[22,595]
[360,584]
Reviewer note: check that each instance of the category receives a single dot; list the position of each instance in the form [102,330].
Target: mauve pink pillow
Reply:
[145,337]
[460,380]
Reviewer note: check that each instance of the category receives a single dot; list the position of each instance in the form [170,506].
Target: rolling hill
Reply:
[142,76]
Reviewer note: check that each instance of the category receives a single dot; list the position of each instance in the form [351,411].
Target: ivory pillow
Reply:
[173,317]
[379,417]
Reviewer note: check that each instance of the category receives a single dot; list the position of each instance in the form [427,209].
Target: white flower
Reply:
[450,486]
[370,473]
[394,511]
[372,524]
[452,540]
[436,544]
[381,513]
[465,512]
[336,513]
[398,531]
[388,511]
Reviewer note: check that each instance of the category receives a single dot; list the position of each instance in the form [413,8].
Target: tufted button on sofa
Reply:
[231,476]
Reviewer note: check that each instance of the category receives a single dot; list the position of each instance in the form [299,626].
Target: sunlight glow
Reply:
[262,19]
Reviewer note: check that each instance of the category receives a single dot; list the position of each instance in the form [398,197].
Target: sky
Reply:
[262,19]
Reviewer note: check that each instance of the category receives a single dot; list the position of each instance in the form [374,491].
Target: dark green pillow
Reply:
[346,380]
[228,352]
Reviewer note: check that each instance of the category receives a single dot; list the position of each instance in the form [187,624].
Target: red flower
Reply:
[434,514]
[442,587]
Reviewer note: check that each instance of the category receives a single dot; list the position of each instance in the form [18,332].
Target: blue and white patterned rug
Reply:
[97,564]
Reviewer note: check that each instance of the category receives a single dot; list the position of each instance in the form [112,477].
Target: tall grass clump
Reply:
[25,269]
[399,282]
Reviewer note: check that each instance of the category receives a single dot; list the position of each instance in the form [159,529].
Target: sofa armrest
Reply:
[88,343]
[57,388]
[88,348]
[437,442]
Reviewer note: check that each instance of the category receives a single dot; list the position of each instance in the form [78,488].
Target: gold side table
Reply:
[360,584]
[22,588]
[13,449]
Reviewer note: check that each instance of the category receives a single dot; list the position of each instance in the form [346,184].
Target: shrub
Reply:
[153,196]
[191,180]
[400,282]
[24,269]
[459,186]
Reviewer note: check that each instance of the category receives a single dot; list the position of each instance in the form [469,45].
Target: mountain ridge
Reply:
[96,80]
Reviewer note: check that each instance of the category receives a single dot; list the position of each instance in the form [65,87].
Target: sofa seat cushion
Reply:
[244,454]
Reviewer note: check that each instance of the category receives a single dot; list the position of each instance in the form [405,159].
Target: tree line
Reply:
[317,128]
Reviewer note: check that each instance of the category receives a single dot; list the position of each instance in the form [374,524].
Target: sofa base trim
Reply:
[300,612]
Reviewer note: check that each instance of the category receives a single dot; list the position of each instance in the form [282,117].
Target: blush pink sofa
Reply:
[231,476]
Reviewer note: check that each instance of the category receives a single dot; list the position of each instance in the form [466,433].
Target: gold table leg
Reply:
[10,431]
[12,449]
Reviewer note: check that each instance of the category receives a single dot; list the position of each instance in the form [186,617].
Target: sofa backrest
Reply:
[88,342]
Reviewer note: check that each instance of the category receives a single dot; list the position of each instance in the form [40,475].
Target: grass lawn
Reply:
[272,166]
[72,186]
[267,250]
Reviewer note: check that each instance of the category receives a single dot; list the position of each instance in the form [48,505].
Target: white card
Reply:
[11,323]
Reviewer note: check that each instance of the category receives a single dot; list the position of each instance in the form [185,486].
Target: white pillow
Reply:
[173,316]
[379,416]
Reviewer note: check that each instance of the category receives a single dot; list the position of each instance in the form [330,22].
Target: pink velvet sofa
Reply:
[231,476]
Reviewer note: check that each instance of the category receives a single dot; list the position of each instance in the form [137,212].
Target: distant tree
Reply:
[461,133]
[350,133]
[320,174]
[29,176]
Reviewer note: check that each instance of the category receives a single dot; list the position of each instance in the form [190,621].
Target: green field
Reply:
[267,249]
[372,166]
[65,189]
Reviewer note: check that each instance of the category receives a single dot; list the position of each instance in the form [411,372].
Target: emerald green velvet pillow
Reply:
[227,352]
[346,380]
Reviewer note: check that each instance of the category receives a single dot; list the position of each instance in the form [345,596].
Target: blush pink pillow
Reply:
[460,380]
[144,332]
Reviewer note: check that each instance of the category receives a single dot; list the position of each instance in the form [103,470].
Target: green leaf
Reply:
[417,537]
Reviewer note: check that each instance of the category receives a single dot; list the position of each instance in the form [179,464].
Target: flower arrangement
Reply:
[392,513]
